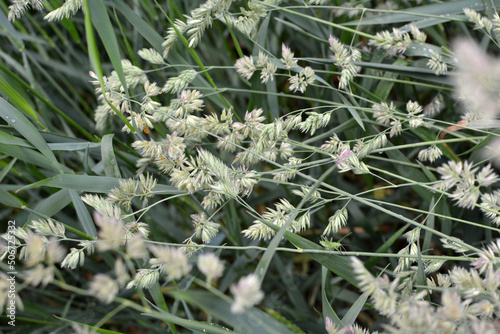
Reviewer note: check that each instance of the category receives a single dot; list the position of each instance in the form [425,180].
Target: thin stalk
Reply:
[319,251]
[328,23]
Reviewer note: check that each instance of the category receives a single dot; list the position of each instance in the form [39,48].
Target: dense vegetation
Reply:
[250,166]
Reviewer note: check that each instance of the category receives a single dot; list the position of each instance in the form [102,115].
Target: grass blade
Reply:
[50,206]
[19,122]
[201,327]
[351,315]
[9,200]
[108,157]
[138,23]
[94,54]
[445,10]
[18,100]
[93,184]
[83,214]
[246,322]
[328,311]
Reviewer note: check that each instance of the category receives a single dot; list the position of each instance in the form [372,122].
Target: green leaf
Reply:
[97,329]
[308,33]
[78,146]
[409,172]
[86,183]
[94,184]
[108,157]
[142,26]
[328,311]
[293,290]
[351,315]
[50,206]
[28,155]
[440,12]
[102,24]
[7,169]
[11,31]
[7,139]
[158,297]
[385,86]
[429,221]
[199,326]
[250,321]
[354,113]
[339,265]
[10,200]
[18,100]
[83,214]
[422,50]
[420,73]
[19,122]
[94,52]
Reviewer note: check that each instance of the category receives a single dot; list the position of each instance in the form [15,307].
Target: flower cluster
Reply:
[200,19]
[415,116]
[477,87]
[152,56]
[129,189]
[246,293]
[484,23]
[466,180]
[113,98]
[248,21]
[397,41]
[385,114]
[430,154]
[288,57]
[210,265]
[469,304]
[246,67]
[204,228]
[299,82]
[279,217]
[405,271]
[336,222]
[436,64]
[344,59]
[434,106]
[17,9]
[67,9]
[350,160]
[40,249]
[477,82]
[490,206]
[179,83]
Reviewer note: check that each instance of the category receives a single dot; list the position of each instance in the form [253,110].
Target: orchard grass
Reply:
[253,166]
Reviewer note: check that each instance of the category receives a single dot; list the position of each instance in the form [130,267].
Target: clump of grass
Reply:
[245,166]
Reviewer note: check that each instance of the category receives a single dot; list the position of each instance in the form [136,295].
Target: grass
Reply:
[361,144]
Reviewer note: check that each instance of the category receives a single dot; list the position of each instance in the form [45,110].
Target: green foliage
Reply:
[250,166]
